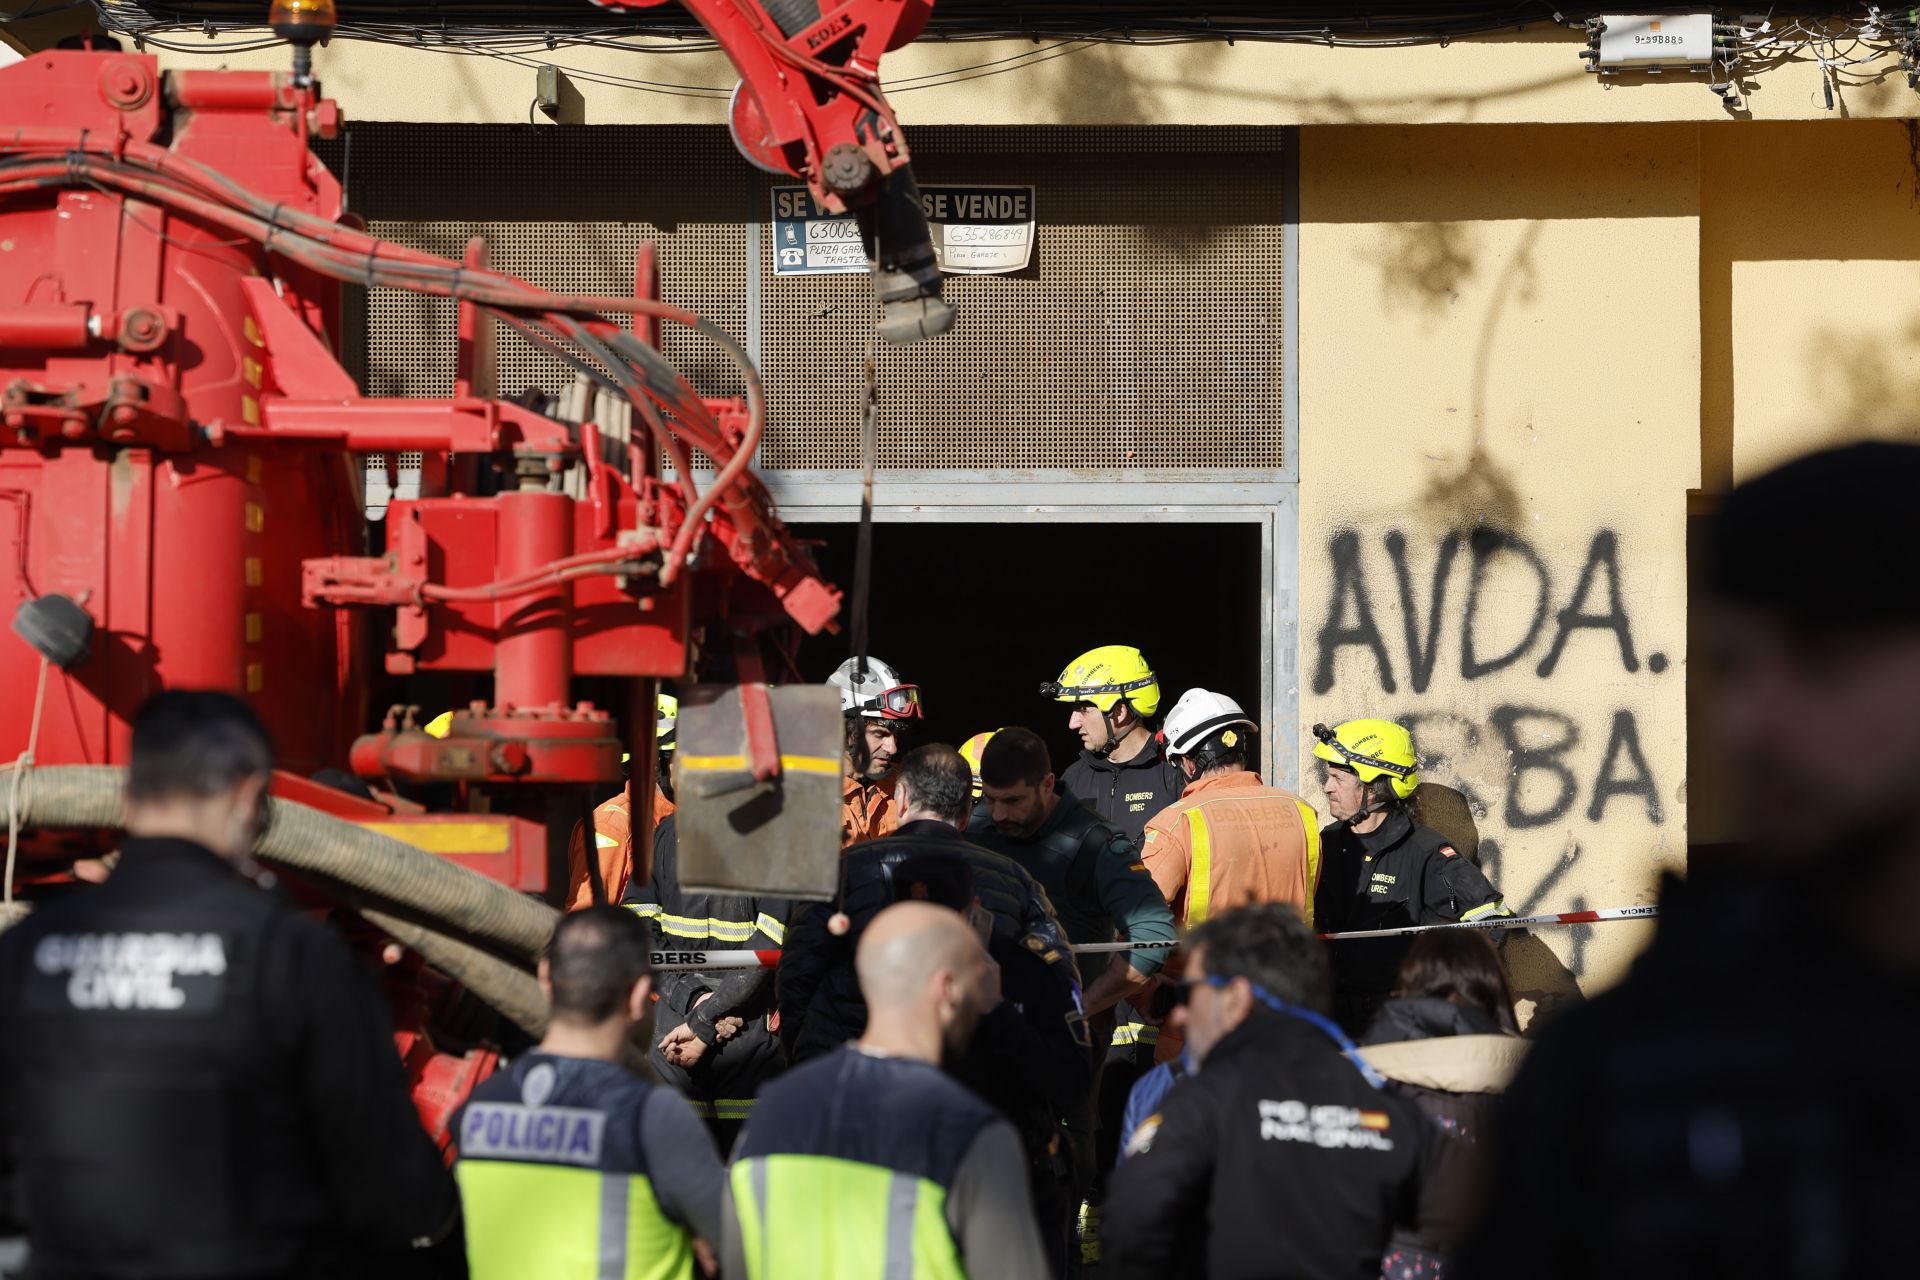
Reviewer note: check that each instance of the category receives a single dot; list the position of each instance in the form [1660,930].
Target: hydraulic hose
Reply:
[305,839]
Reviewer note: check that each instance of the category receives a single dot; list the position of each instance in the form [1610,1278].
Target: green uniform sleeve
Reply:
[1129,895]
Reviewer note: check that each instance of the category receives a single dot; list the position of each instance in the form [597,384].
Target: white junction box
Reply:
[1641,40]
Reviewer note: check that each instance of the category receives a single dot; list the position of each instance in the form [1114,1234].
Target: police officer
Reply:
[713,1037]
[202,1081]
[872,1161]
[1278,1156]
[569,1165]
[1379,869]
[1031,1057]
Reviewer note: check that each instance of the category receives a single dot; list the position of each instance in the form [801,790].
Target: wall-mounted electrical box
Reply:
[1647,41]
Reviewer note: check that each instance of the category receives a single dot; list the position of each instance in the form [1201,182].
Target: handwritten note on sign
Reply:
[976,231]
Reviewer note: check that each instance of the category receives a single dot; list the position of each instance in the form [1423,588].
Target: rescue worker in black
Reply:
[1737,1105]
[1030,1057]
[1381,870]
[1101,891]
[714,1040]
[1280,1155]
[199,1081]
[1123,774]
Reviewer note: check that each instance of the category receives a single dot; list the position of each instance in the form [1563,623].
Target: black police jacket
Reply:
[1276,1158]
[1093,876]
[1124,795]
[1396,875]
[820,1002]
[201,1082]
[692,922]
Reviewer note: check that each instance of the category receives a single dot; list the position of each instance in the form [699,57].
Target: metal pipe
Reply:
[533,662]
[44,327]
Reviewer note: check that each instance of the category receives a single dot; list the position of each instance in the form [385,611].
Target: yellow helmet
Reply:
[1104,676]
[666,719]
[1372,749]
[440,726]
[971,750]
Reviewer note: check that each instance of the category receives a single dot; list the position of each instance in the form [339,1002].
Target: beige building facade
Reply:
[1537,324]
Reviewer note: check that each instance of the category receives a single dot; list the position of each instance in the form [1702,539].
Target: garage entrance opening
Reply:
[980,614]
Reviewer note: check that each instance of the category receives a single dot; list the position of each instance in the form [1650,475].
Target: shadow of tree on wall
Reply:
[1869,382]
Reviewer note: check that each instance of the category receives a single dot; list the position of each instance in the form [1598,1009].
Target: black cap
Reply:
[1814,540]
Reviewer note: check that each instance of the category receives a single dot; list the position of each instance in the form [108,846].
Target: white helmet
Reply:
[879,695]
[1197,717]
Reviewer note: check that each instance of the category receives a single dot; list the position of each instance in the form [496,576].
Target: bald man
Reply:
[873,1160]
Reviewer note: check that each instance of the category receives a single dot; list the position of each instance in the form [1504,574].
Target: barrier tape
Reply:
[705,961]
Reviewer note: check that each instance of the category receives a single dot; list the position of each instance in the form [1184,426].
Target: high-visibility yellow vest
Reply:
[553,1179]
[844,1171]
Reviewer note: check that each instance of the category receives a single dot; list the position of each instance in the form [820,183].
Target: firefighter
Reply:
[613,822]
[1230,840]
[201,1080]
[713,1037]
[569,1165]
[873,1161]
[1123,774]
[877,707]
[1379,869]
[970,751]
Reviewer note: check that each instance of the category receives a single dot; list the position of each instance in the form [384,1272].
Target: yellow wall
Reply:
[1556,332]
[1499,426]
[1530,76]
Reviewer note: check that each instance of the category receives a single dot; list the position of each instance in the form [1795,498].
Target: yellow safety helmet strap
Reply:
[1351,756]
[1086,693]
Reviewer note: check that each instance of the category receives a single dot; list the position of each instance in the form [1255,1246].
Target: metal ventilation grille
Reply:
[1145,334]
[411,348]
[566,208]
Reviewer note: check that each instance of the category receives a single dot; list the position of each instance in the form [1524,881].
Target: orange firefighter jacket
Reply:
[613,846]
[866,810]
[1229,841]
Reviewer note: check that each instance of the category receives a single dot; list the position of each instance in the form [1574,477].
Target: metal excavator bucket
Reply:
[757,782]
[906,273]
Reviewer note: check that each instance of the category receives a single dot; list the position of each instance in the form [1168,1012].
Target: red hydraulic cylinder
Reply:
[56,327]
[533,661]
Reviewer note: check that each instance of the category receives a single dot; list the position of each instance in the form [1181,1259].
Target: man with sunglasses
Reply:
[879,709]
[1281,1155]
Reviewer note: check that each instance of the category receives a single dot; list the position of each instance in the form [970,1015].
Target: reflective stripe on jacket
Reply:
[554,1179]
[845,1170]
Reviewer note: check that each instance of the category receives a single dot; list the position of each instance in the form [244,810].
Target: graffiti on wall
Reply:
[1523,676]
